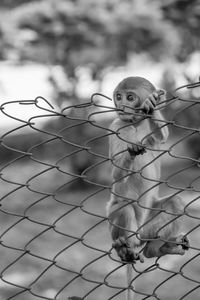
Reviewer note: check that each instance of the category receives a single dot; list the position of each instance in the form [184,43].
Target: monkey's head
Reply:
[129,95]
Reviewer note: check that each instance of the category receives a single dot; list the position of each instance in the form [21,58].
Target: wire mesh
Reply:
[55,183]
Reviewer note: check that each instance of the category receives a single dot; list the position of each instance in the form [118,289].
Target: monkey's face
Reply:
[128,103]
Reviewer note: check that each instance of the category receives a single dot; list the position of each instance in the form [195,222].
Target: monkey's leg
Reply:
[167,226]
[176,245]
[152,248]
[123,226]
[158,248]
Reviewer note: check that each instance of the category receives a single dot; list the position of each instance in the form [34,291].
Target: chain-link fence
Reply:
[55,183]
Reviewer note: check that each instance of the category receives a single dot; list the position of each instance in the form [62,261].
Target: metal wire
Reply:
[55,182]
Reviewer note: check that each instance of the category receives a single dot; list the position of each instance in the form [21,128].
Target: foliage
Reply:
[112,29]
[104,33]
[100,34]
[185,16]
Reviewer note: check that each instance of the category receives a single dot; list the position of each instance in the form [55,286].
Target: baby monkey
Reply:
[137,216]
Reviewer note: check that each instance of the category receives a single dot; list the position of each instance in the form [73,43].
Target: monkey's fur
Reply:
[137,216]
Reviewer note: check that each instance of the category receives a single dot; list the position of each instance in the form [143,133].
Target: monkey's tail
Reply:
[130,290]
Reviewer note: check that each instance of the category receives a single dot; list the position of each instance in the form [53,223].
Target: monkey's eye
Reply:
[130,97]
[118,97]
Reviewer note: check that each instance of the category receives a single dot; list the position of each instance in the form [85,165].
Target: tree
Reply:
[185,17]
[97,34]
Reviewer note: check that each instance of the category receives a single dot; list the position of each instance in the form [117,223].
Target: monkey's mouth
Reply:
[131,117]
[135,114]
[126,115]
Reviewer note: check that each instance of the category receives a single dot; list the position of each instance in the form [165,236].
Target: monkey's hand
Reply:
[151,101]
[134,150]
[124,251]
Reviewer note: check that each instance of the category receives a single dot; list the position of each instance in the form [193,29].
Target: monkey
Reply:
[137,216]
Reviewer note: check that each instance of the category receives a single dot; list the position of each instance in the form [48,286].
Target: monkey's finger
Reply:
[160,92]
[130,256]
[131,151]
[122,254]
[151,103]
[123,241]
[141,258]
[146,107]
[120,242]
[127,255]
[186,243]
[116,244]
[149,106]
[142,151]
[133,256]
[138,149]
[154,98]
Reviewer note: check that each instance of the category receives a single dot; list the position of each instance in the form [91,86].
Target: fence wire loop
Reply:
[55,177]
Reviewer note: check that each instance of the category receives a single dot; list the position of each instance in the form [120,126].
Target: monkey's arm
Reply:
[120,158]
[123,148]
[158,127]
[163,228]
[157,123]
[118,151]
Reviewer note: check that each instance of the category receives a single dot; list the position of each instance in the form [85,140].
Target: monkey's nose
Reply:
[122,108]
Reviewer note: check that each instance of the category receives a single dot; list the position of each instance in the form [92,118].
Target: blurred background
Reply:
[65,51]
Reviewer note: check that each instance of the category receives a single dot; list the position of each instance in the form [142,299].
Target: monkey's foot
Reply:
[158,248]
[136,150]
[176,245]
[183,241]
[171,248]
[124,251]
